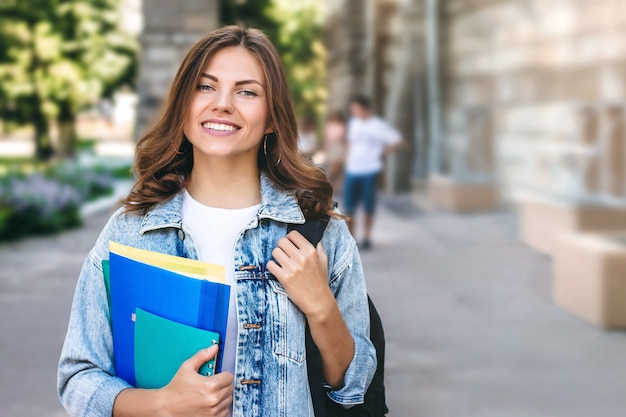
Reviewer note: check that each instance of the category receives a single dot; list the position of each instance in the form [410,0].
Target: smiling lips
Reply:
[220,127]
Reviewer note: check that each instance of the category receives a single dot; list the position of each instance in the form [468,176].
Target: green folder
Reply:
[162,345]
[106,271]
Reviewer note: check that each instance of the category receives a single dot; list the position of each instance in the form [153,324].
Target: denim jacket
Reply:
[272,357]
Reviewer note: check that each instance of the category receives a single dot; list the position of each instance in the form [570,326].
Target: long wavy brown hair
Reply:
[164,157]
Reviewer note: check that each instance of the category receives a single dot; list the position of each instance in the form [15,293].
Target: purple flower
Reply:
[42,195]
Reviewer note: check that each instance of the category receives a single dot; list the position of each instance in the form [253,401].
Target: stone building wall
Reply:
[541,83]
[401,89]
[347,39]
[533,91]
[170,28]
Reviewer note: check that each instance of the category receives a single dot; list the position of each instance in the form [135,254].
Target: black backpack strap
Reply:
[375,395]
[374,403]
[314,371]
[313,230]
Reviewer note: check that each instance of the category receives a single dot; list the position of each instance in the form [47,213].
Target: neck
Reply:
[222,183]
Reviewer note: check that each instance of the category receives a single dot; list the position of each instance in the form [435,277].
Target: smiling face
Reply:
[228,114]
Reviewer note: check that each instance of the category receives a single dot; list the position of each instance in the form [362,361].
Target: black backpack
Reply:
[374,404]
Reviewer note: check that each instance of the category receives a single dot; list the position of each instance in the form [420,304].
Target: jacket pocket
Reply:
[287,324]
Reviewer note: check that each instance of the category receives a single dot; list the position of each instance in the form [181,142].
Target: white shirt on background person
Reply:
[367,140]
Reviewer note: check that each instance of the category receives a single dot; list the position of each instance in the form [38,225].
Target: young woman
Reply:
[220,179]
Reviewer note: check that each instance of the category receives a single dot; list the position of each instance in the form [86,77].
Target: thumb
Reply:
[201,357]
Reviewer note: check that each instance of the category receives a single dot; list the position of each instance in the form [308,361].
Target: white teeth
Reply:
[219,126]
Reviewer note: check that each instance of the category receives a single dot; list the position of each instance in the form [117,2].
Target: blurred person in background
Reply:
[335,148]
[307,136]
[369,139]
[220,179]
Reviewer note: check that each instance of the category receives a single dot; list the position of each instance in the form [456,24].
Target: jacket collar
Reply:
[275,204]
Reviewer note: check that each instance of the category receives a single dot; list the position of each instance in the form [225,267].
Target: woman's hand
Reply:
[192,394]
[187,394]
[303,272]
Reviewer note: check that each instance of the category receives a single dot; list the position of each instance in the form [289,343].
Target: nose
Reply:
[223,102]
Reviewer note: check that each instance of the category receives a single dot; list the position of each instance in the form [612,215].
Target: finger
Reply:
[283,259]
[288,246]
[274,268]
[223,409]
[300,241]
[218,398]
[200,358]
[295,254]
[223,379]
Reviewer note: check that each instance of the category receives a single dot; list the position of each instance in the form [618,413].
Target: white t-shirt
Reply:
[367,140]
[215,230]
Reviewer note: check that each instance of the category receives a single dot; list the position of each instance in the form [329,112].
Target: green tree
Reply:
[251,13]
[58,57]
[300,42]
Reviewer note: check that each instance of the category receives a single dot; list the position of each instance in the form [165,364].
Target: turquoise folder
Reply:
[162,345]
[189,301]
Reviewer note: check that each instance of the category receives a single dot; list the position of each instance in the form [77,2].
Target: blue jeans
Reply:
[360,188]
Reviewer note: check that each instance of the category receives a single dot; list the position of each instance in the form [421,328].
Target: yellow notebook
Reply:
[189,267]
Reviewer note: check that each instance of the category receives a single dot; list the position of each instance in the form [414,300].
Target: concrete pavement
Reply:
[471,330]
[37,279]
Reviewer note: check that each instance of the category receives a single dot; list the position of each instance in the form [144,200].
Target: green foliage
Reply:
[121,172]
[85,145]
[302,49]
[60,56]
[250,13]
[296,28]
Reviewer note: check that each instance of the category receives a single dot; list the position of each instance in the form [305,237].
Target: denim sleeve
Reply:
[348,284]
[86,383]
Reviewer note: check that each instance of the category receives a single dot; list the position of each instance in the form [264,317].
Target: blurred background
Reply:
[498,264]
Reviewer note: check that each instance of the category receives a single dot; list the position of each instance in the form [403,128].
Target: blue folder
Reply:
[198,303]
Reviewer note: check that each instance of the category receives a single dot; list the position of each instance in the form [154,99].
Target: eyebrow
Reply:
[237,83]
